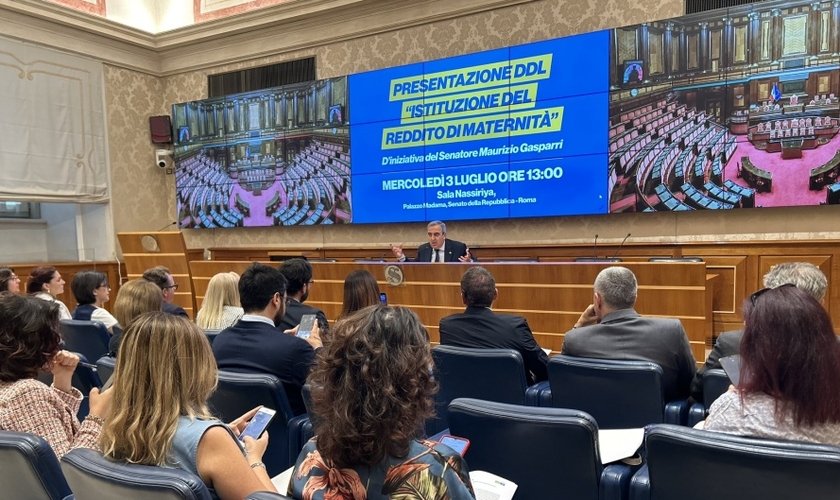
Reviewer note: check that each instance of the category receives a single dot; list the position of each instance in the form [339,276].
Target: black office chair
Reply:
[93,477]
[733,467]
[105,367]
[239,393]
[715,383]
[490,374]
[89,338]
[547,452]
[619,394]
[30,468]
[211,334]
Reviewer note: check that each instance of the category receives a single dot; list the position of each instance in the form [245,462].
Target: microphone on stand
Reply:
[595,247]
[166,226]
[621,245]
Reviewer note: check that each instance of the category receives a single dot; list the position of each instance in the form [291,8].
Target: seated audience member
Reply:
[165,374]
[45,282]
[372,392]
[438,249]
[360,290]
[9,281]
[298,274]
[253,344]
[29,342]
[805,276]
[135,297]
[92,291]
[611,329]
[221,307]
[790,372]
[479,326]
[161,277]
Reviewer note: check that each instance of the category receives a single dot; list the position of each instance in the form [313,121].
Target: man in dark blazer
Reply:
[611,329]
[254,344]
[479,327]
[298,274]
[438,249]
[161,277]
[803,275]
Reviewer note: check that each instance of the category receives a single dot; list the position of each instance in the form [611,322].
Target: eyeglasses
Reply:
[754,297]
[104,285]
[173,286]
[14,277]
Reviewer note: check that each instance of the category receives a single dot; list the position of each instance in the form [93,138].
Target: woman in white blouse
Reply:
[45,282]
[92,291]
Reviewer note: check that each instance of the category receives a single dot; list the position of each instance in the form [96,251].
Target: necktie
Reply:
[437,256]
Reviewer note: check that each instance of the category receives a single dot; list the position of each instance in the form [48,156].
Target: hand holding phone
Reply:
[383,298]
[307,322]
[258,424]
[458,444]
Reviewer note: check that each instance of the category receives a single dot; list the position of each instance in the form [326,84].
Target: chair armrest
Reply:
[615,481]
[538,394]
[299,432]
[640,485]
[676,412]
[696,414]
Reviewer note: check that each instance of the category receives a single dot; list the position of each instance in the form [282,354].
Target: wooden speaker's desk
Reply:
[550,295]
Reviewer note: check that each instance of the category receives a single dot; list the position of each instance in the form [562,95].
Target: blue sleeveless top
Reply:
[185,445]
[83,313]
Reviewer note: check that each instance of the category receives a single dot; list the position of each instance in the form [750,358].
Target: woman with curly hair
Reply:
[29,341]
[372,391]
[165,372]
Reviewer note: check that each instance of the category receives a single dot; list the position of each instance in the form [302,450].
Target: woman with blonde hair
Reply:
[360,290]
[165,374]
[135,297]
[221,307]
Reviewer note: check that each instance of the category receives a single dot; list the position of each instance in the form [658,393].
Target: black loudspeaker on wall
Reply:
[161,129]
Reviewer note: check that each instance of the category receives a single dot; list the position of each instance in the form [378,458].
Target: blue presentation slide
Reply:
[514,132]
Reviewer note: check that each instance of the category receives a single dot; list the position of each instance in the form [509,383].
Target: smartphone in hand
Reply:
[258,424]
[458,444]
[383,298]
[307,323]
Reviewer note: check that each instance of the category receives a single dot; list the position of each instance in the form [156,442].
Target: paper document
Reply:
[615,444]
[281,481]
[546,351]
[489,486]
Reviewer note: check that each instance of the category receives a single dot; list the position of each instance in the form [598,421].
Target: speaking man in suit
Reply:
[479,327]
[803,275]
[254,344]
[611,329]
[298,274]
[161,277]
[438,249]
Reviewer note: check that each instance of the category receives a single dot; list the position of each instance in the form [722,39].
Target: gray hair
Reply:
[617,286]
[478,287]
[437,223]
[804,275]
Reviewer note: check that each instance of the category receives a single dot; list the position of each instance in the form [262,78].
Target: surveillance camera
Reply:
[162,157]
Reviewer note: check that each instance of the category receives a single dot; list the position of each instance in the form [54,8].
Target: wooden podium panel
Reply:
[550,295]
[144,250]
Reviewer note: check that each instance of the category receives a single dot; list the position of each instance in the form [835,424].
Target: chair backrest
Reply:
[93,477]
[547,452]
[85,379]
[105,367]
[715,383]
[489,374]
[238,393]
[619,394]
[85,337]
[30,468]
[737,467]
[211,334]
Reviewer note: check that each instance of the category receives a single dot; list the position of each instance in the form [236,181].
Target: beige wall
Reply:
[144,196]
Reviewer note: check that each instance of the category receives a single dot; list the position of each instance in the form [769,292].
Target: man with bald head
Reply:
[803,275]
[611,329]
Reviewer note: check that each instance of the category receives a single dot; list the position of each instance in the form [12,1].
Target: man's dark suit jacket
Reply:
[453,250]
[623,334]
[295,311]
[726,344]
[253,346]
[479,327]
[176,310]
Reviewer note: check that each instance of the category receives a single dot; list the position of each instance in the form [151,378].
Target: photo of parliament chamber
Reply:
[733,111]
